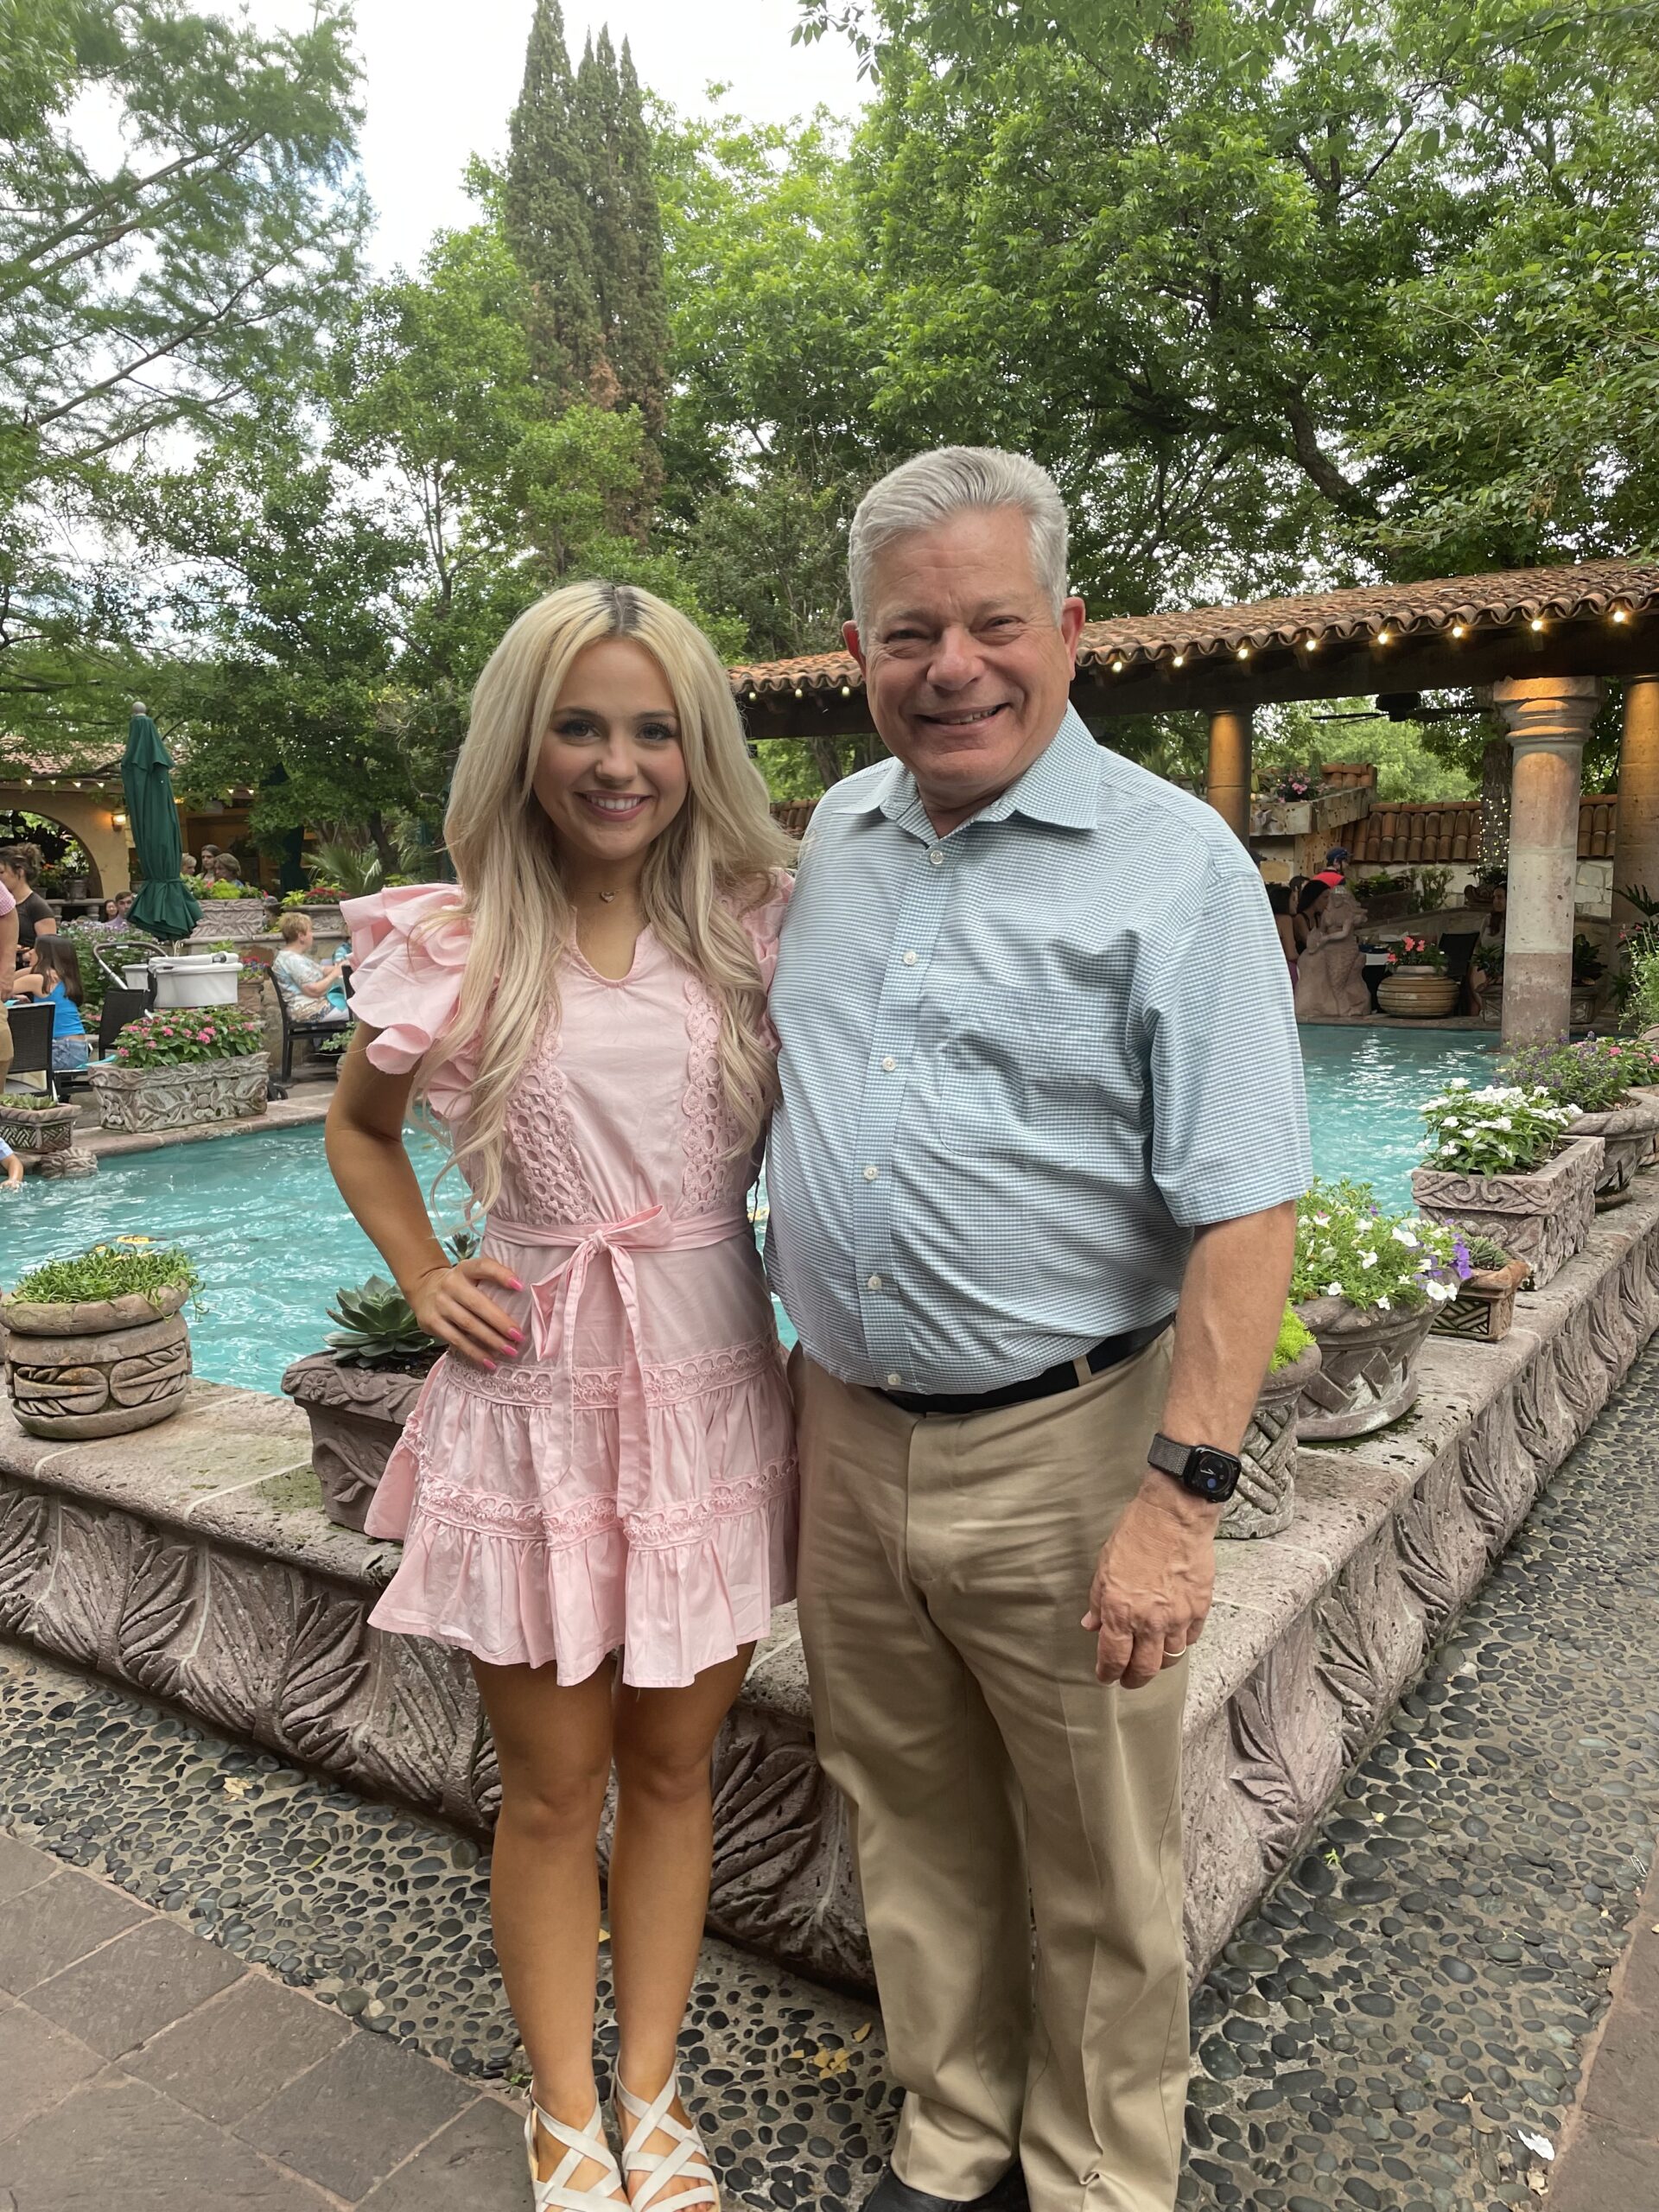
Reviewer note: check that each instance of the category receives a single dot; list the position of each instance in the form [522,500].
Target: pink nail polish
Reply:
[517,1284]
[489,1367]
[516,1336]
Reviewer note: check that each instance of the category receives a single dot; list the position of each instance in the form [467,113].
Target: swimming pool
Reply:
[273,1239]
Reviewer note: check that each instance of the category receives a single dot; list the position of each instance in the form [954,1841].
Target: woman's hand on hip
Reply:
[1152,1588]
[449,1305]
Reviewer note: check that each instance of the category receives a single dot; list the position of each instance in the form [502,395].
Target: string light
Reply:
[1385,637]
[1311,645]
[1621,614]
[1180,661]
[1244,652]
[1117,668]
[1459,630]
[846,691]
[1537,622]
[753,695]
[799,693]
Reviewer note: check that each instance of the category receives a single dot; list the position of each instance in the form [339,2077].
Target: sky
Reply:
[441,80]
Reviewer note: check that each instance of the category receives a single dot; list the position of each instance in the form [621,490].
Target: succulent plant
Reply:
[378,1326]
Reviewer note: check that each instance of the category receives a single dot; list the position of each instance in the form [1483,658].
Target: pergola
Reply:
[1544,642]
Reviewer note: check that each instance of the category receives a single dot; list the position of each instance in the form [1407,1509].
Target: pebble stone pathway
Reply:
[1398,2029]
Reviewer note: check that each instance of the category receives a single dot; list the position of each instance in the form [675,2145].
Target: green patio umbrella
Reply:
[163,907]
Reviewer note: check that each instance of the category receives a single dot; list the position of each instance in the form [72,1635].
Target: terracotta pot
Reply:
[37,1130]
[1542,1217]
[1484,1305]
[101,1367]
[1367,1368]
[1265,1502]
[1628,1132]
[228,1089]
[1420,994]
[357,1414]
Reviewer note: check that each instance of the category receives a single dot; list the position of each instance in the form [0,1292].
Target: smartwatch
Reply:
[1200,1468]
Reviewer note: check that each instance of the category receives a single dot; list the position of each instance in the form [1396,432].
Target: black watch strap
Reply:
[1202,1469]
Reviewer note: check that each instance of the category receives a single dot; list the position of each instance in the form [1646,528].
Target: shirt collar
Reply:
[1059,786]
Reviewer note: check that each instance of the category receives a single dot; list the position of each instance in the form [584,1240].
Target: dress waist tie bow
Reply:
[555,1300]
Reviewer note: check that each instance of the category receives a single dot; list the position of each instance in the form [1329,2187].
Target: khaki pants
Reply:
[944,1572]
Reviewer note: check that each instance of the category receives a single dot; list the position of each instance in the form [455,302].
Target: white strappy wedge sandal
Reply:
[687,2163]
[555,2194]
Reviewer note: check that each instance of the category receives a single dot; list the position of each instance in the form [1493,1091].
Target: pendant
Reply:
[607,896]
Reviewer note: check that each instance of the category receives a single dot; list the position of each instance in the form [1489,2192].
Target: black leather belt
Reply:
[1111,1351]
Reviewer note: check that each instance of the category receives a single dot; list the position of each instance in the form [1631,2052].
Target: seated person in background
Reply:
[187,864]
[50,969]
[205,864]
[20,868]
[1278,900]
[226,868]
[11,1168]
[311,991]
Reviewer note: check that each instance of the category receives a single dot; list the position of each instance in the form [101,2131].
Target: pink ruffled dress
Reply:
[628,1482]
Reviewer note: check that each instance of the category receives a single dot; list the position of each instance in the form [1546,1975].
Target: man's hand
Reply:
[1153,1585]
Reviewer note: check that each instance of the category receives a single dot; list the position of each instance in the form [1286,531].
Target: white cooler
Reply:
[187,979]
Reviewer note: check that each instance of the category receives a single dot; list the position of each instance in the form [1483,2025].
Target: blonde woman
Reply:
[596,1492]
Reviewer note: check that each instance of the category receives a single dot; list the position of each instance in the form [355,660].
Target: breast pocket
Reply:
[1021,1061]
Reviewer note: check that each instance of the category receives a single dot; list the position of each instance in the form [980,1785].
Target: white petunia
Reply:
[1403,1236]
[1449,1124]
[1440,1292]
[1384,1305]
[1367,1259]
[1333,1290]
[1459,1083]
[1446,1148]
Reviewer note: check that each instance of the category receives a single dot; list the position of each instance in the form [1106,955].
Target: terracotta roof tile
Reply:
[1509,596]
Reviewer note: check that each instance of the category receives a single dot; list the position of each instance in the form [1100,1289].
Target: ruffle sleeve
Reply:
[409,954]
[764,923]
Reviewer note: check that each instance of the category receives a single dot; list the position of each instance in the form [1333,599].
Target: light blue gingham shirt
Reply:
[1020,1065]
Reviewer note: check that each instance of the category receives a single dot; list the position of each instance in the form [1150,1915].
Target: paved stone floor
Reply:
[1402,2025]
[1609,2155]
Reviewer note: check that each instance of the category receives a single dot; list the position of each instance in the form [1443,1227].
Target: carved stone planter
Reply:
[1582,1006]
[1484,1305]
[1420,994]
[1368,1373]
[35,1131]
[357,1414]
[232,919]
[99,1368]
[137,1099]
[1627,1133]
[1265,1502]
[1543,1217]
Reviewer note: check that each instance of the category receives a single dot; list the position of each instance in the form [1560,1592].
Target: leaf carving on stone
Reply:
[1288,1754]
[80,1605]
[319,1711]
[235,1670]
[424,1713]
[25,1553]
[163,1605]
[1370,1637]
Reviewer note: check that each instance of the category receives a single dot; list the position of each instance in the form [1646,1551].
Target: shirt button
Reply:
[936,857]
[910,960]
[871,1282]
[889,1064]
[870,1174]
[894,1381]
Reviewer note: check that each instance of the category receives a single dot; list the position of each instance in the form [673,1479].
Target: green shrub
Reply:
[182,1036]
[1294,1338]
[130,1266]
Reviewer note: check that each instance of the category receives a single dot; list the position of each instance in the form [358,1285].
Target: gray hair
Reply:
[935,485]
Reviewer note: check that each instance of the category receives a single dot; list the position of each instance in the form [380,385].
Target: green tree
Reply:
[544,209]
[626,231]
[147,294]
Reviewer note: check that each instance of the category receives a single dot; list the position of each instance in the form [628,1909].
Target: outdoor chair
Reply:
[1458,946]
[301,1034]
[31,1044]
[120,1006]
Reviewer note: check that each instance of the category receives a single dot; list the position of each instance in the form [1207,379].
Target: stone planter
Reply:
[1543,1217]
[1265,1502]
[140,1099]
[1419,994]
[99,1368]
[36,1131]
[1484,1305]
[357,1414]
[232,919]
[1627,1134]
[1581,1005]
[1367,1376]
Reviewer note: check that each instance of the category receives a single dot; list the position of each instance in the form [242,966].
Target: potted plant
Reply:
[230,911]
[359,1392]
[1506,1161]
[1417,984]
[1484,1305]
[170,1070]
[35,1125]
[1604,1077]
[1265,1501]
[1588,970]
[1367,1285]
[97,1345]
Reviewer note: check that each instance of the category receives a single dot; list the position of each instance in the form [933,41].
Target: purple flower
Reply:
[1461,1261]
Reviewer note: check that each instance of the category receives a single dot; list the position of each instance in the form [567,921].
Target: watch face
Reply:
[1212,1474]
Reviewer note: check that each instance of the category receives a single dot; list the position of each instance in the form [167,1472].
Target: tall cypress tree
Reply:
[635,303]
[548,220]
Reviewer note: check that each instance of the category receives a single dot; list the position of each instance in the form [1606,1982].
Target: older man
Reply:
[1040,1081]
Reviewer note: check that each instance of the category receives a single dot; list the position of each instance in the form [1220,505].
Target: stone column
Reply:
[1547,719]
[1227,786]
[1636,854]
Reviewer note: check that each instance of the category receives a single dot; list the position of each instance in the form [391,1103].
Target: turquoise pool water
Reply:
[273,1239]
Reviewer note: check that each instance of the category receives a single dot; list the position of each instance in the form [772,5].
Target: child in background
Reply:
[11,1168]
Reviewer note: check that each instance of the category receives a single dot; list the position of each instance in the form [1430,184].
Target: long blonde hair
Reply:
[714,861]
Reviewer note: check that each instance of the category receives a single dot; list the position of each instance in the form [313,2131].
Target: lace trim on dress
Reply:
[706,1178]
[597,1389]
[453,1505]
[541,1144]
